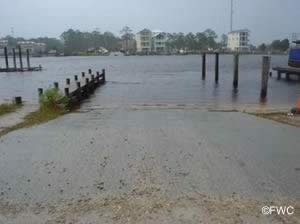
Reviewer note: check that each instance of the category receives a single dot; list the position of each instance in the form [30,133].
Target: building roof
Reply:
[145,31]
[240,31]
[159,34]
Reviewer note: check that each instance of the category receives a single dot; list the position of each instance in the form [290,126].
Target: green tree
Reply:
[211,38]
[224,40]
[262,47]
[127,35]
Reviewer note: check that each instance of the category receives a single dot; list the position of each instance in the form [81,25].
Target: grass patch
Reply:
[8,108]
[52,105]
[40,116]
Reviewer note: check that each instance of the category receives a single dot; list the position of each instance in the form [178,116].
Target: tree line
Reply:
[276,45]
[76,41]
[72,42]
[206,40]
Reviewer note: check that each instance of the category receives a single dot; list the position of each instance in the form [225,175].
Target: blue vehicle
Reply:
[294,55]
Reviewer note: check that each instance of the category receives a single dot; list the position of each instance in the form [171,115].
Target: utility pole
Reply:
[231,16]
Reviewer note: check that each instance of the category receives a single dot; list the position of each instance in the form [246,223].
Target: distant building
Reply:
[33,47]
[144,41]
[159,42]
[239,40]
[3,43]
[148,41]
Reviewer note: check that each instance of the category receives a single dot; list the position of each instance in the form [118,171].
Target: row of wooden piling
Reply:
[266,60]
[82,87]
[15,67]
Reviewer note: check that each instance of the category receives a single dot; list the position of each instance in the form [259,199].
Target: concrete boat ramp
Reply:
[152,165]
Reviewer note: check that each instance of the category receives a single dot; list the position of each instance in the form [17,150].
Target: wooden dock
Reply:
[15,68]
[81,87]
[288,71]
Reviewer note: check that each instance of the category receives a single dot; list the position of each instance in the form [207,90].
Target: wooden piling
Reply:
[90,71]
[20,57]
[278,75]
[93,77]
[103,73]
[68,81]
[203,66]
[265,77]
[67,92]
[6,58]
[236,71]
[83,74]
[56,85]
[14,58]
[87,81]
[40,91]
[78,85]
[76,77]
[217,67]
[18,100]
[270,74]
[28,58]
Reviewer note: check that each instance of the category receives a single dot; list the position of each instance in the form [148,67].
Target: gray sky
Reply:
[266,19]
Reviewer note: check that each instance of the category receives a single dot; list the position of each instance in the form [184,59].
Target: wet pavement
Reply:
[151,147]
[102,152]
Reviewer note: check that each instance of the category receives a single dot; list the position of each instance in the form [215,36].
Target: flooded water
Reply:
[157,80]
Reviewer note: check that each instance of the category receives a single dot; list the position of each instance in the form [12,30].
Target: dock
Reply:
[288,71]
[81,87]
[15,68]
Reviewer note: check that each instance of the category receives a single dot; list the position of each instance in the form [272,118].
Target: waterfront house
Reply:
[148,41]
[144,41]
[33,47]
[159,40]
[238,40]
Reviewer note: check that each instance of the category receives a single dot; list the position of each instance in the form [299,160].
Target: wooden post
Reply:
[28,58]
[270,74]
[6,58]
[265,77]
[14,58]
[87,81]
[203,66]
[56,85]
[40,91]
[18,100]
[217,67]
[287,76]
[67,92]
[78,85]
[103,73]
[278,75]
[90,71]
[83,74]
[93,77]
[20,57]
[76,77]
[68,81]
[236,71]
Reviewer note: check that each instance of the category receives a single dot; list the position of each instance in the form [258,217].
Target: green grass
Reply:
[8,108]
[52,105]
[40,116]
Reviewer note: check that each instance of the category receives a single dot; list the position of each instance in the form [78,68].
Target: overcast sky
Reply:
[266,19]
